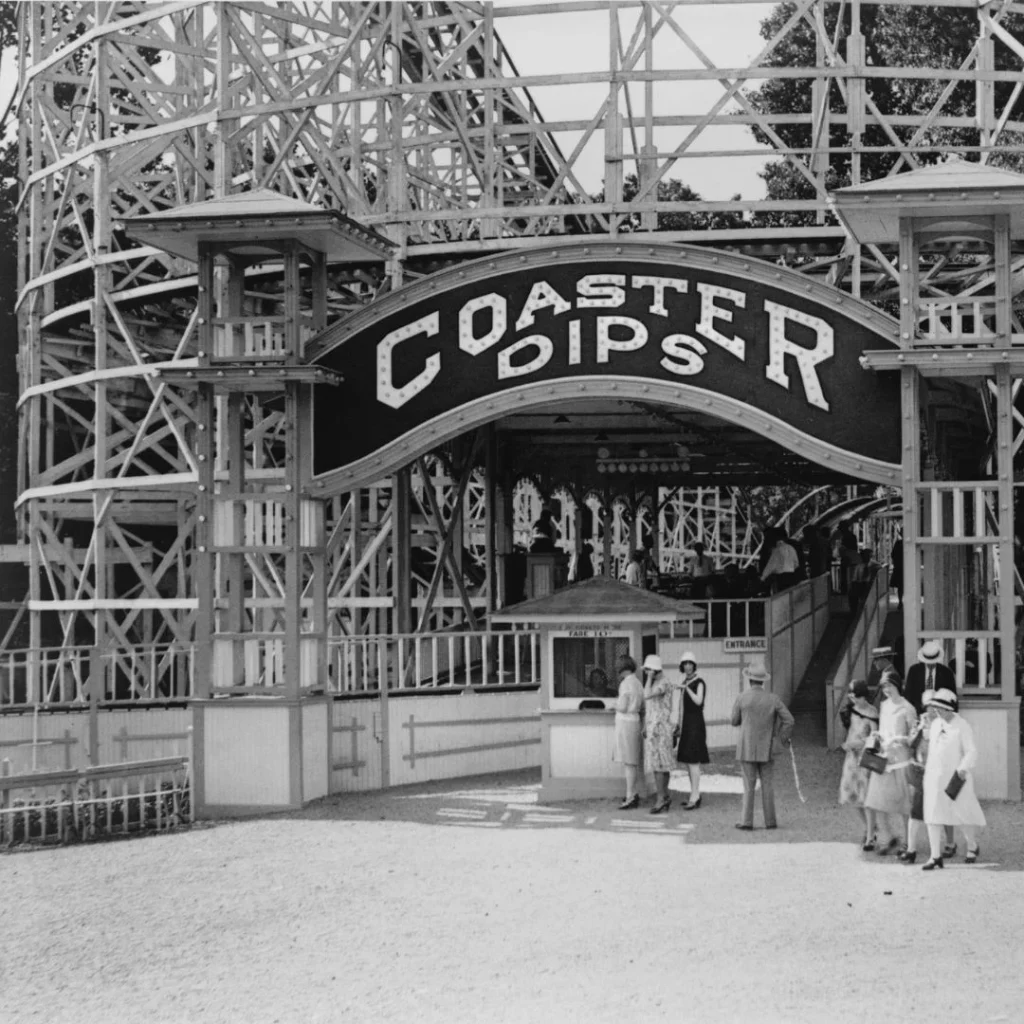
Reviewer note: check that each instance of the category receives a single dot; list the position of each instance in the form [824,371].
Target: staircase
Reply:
[808,705]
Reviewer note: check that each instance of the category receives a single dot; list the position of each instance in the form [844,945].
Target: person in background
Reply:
[861,719]
[889,792]
[896,570]
[693,736]
[783,564]
[701,567]
[628,729]
[760,717]
[860,579]
[951,755]
[815,552]
[659,753]
[930,673]
[883,659]
[545,532]
[844,547]
[584,569]
[636,570]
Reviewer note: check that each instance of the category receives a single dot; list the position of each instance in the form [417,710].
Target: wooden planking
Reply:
[246,755]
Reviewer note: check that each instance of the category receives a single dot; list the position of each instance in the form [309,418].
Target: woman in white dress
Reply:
[951,754]
[629,739]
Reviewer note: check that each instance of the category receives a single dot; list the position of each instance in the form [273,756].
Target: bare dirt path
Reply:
[470,901]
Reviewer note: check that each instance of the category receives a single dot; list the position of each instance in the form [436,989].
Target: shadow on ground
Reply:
[512,800]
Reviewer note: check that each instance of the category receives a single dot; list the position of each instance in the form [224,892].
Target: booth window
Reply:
[584,667]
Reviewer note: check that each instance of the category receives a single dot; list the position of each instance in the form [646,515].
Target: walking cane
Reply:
[796,776]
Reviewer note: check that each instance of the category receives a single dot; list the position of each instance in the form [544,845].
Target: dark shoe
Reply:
[869,844]
[972,855]
[745,828]
[661,808]
[908,856]
[628,805]
[932,864]
[949,851]
[692,806]
[771,826]
[884,851]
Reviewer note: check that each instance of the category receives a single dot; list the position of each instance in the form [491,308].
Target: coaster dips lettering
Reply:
[711,307]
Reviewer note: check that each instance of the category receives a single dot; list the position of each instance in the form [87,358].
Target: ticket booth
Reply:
[584,629]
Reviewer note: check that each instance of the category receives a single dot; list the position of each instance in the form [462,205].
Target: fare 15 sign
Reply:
[770,348]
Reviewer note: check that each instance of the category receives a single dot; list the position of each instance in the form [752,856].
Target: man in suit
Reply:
[928,674]
[760,717]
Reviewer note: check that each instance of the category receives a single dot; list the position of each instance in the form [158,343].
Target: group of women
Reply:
[924,781]
[655,730]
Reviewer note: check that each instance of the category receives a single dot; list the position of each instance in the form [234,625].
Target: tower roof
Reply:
[599,600]
[244,220]
[954,195]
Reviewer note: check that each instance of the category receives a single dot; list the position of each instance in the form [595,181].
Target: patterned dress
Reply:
[853,785]
[659,750]
[891,792]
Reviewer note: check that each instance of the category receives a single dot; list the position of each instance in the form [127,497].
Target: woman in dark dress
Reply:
[693,737]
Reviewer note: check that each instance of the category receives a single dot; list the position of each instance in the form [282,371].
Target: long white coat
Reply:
[950,748]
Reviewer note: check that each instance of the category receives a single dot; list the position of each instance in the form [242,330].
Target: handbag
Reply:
[954,786]
[872,760]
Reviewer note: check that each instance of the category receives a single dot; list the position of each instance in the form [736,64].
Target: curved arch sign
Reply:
[740,339]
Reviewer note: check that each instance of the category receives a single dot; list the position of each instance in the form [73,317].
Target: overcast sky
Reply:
[578,42]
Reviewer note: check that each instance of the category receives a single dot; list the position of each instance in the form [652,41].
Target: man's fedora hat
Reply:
[930,653]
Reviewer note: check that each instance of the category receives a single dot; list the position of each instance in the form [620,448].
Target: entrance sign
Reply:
[711,330]
[745,645]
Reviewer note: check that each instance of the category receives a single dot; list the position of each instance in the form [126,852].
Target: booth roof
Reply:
[599,600]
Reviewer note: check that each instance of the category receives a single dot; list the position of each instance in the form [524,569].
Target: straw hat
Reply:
[943,699]
[653,662]
[883,652]
[756,673]
[930,653]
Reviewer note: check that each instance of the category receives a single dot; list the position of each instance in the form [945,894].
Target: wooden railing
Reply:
[487,658]
[957,321]
[55,676]
[53,807]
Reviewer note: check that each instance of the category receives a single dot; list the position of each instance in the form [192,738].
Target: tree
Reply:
[895,35]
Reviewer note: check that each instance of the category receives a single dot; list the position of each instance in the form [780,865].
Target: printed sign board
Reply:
[783,349]
[745,645]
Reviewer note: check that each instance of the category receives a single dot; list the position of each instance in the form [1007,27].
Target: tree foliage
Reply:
[895,36]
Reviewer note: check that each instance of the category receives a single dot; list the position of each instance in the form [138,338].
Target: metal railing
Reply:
[412,661]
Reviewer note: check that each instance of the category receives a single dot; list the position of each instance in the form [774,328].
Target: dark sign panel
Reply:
[770,347]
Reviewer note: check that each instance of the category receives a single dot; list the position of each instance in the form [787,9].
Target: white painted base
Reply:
[258,755]
[996,726]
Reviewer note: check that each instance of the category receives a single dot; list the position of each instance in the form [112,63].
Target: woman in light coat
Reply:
[951,753]
[628,735]
[853,785]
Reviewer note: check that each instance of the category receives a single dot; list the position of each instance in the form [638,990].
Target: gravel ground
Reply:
[470,901]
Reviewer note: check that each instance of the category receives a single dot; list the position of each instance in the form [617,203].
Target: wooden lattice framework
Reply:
[414,120]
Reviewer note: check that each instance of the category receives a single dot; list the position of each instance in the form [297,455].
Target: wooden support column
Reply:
[1004,469]
[910,421]
[401,539]
[490,516]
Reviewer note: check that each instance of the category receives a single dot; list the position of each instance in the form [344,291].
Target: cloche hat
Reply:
[930,653]
[687,656]
[653,662]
